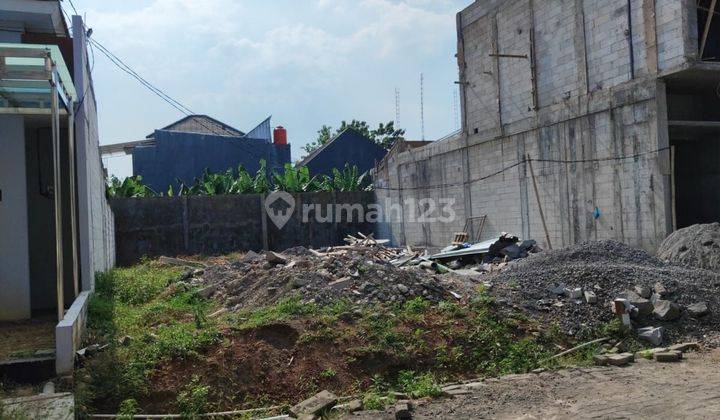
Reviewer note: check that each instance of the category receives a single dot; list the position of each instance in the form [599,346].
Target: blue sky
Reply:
[305,62]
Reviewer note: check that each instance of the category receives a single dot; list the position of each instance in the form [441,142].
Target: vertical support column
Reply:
[73,197]
[82,141]
[631,47]
[533,64]
[467,192]
[496,51]
[651,51]
[581,48]
[57,188]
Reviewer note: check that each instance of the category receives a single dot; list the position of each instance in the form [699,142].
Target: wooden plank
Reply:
[539,203]
[706,31]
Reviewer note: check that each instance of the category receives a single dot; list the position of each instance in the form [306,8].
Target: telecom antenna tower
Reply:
[397,108]
[422,105]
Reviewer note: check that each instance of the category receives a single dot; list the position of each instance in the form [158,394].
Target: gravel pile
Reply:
[361,277]
[694,246]
[608,269]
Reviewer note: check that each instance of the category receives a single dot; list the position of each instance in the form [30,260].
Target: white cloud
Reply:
[308,62]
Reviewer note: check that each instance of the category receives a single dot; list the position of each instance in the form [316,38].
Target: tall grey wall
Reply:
[95,218]
[14,264]
[213,225]
[586,104]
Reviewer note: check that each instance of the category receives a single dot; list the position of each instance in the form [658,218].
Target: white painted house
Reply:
[56,229]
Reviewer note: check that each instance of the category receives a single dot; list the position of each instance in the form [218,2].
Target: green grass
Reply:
[418,385]
[165,320]
[423,343]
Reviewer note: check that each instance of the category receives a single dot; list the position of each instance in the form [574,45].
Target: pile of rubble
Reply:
[674,353]
[694,246]
[360,273]
[577,286]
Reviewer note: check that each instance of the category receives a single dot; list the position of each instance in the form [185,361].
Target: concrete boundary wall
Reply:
[69,332]
[214,225]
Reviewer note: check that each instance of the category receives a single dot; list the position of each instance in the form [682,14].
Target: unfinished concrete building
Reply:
[601,116]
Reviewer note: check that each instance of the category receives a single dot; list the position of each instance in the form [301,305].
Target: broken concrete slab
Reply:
[275,258]
[665,310]
[353,406]
[661,290]
[685,347]
[250,256]
[668,356]
[696,310]
[315,405]
[652,334]
[644,306]
[621,359]
[574,292]
[643,291]
[590,297]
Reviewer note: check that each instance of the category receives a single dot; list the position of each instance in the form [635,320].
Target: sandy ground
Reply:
[645,389]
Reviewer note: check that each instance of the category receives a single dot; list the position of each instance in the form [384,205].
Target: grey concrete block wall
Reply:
[596,102]
[95,218]
[215,225]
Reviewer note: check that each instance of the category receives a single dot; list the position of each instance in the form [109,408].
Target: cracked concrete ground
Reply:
[644,389]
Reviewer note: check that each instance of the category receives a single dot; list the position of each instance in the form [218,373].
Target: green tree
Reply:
[385,135]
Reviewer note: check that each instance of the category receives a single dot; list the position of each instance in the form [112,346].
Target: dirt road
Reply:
[645,389]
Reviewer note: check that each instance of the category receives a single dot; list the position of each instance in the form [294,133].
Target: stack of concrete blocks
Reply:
[594,100]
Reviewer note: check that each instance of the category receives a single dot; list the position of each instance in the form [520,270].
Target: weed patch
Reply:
[165,321]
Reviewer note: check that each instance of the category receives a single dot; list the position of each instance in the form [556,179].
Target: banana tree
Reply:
[295,180]
[130,187]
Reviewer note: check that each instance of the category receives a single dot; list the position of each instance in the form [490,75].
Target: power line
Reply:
[73,7]
[524,161]
[127,69]
[119,63]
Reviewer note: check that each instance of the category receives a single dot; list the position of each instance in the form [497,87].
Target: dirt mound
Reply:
[607,269]
[359,275]
[694,246]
